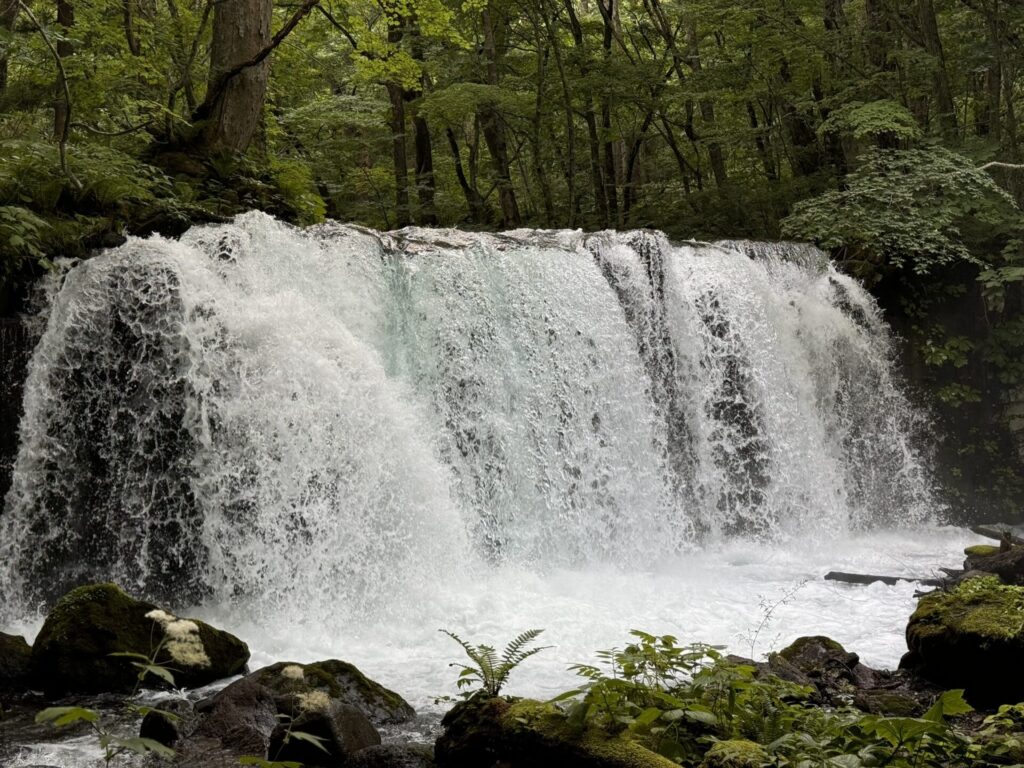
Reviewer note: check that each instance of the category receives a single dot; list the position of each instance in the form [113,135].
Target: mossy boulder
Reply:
[72,652]
[824,664]
[735,753]
[482,732]
[981,550]
[971,637]
[339,680]
[15,658]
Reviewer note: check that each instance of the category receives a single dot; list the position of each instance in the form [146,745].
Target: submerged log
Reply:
[865,578]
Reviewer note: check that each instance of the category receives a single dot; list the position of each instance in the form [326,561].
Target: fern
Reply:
[489,671]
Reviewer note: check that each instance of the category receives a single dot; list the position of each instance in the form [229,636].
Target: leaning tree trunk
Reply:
[241,30]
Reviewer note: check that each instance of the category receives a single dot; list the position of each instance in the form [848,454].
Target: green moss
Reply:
[983,606]
[735,753]
[796,650]
[981,550]
[538,725]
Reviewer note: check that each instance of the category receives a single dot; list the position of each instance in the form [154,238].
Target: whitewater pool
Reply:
[720,596]
[717,596]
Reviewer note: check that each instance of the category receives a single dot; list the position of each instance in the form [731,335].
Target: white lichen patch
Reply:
[181,639]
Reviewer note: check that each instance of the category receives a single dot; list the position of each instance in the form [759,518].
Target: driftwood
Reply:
[865,578]
[998,531]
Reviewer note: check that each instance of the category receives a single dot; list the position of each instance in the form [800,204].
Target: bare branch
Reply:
[997,164]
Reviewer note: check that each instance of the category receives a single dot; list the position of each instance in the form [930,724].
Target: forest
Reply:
[886,131]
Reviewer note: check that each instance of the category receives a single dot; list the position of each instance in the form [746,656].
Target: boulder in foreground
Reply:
[523,734]
[971,637]
[72,653]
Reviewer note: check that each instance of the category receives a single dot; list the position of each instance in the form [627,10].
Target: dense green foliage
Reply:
[869,126]
[694,706]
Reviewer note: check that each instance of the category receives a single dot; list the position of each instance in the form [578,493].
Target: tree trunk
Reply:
[494,130]
[707,110]
[590,118]
[66,20]
[479,212]
[933,44]
[128,13]
[241,30]
[608,11]
[8,15]
[399,156]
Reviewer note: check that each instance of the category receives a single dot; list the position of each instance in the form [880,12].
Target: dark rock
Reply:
[889,702]
[331,700]
[1007,564]
[166,723]
[342,731]
[971,637]
[393,756]
[524,734]
[73,650]
[824,664]
[339,680]
[15,662]
[240,718]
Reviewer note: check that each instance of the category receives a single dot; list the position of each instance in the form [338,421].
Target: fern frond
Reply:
[513,650]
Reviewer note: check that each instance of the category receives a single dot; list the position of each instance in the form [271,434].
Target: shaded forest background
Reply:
[887,131]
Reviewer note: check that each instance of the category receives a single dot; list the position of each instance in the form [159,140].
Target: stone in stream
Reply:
[259,714]
[72,653]
[15,659]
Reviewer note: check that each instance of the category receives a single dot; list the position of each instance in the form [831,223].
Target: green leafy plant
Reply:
[490,671]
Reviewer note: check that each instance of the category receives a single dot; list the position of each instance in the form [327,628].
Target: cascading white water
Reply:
[334,422]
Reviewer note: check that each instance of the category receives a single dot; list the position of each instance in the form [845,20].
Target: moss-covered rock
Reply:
[72,652]
[971,637]
[15,657]
[735,753]
[981,550]
[891,703]
[339,680]
[483,732]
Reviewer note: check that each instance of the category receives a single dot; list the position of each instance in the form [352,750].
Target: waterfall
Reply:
[331,416]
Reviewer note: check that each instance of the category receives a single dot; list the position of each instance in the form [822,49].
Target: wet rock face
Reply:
[290,683]
[260,714]
[72,653]
[971,637]
[342,731]
[15,660]
[15,351]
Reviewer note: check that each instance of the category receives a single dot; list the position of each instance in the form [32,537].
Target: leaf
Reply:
[61,716]
[309,738]
[153,710]
[948,704]
[647,717]
[141,746]
[155,669]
